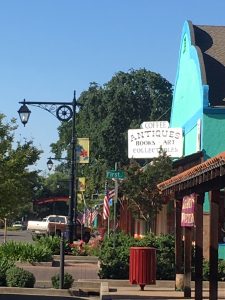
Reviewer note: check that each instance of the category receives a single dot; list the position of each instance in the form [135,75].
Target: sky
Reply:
[49,48]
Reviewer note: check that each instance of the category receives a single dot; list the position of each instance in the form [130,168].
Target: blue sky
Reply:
[49,48]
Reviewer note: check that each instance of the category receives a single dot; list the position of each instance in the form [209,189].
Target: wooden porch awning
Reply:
[206,176]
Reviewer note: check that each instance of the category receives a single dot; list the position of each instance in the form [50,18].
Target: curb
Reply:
[40,292]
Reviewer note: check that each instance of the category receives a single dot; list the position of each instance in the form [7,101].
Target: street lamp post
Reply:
[63,111]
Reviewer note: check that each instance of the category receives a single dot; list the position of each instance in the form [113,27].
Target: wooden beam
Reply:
[187,261]
[199,246]
[213,247]
[178,245]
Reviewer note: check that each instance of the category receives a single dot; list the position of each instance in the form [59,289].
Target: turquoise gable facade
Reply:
[190,92]
[203,124]
[199,94]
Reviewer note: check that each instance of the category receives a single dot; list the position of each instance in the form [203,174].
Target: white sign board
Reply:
[155,124]
[145,143]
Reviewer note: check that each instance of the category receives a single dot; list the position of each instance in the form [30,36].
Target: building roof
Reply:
[199,174]
[211,41]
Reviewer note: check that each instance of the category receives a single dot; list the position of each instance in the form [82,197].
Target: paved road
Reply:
[16,235]
[33,297]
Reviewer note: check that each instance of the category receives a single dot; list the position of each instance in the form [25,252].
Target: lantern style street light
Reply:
[50,164]
[63,111]
[50,161]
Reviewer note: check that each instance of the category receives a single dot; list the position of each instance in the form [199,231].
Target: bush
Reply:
[68,281]
[221,270]
[114,261]
[14,251]
[5,264]
[165,254]
[50,242]
[18,277]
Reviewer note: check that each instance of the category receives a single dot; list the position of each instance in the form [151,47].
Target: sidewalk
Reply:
[85,274]
[122,289]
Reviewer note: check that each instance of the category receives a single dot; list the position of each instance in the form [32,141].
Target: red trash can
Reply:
[142,266]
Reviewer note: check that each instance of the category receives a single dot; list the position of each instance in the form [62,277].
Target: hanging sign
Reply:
[146,143]
[82,150]
[81,184]
[187,213]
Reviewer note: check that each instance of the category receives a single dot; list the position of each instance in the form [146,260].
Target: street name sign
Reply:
[115,174]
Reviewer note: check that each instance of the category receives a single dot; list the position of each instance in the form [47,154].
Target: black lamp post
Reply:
[63,111]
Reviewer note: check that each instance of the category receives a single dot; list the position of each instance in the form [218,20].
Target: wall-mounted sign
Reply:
[82,150]
[187,213]
[146,143]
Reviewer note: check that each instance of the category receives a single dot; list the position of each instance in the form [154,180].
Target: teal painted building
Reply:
[199,92]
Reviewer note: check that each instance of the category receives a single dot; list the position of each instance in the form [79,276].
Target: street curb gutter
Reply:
[43,292]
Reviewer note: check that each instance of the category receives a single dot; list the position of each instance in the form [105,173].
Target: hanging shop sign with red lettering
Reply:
[188,209]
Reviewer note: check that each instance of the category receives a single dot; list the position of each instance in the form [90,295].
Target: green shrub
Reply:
[18,277]
[14,251]
[221,270]
[50,242]
[165,254]
[114,261]
[68,281]
[114,256]
[5,264]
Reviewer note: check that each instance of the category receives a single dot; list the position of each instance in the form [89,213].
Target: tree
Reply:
[16,180]
[140,186]
[55,185]
[108,111]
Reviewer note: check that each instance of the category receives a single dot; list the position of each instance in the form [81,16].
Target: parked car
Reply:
[17,225]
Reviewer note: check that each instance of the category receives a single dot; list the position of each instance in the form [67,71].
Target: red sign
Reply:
[187,213]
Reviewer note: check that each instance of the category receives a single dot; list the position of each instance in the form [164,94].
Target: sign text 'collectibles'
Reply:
[146,143]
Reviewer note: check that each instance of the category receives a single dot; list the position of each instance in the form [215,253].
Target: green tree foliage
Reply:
[16,180]
[107,112]
[54,185]
[140,187]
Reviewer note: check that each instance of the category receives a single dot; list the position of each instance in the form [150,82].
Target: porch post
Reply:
[213,247]
[187,261]
[178,244]
[199,246]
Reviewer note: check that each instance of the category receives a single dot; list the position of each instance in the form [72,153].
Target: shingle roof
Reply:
[196,172]
[211,41]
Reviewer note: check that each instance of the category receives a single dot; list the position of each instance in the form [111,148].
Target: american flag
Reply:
[86,216]
[93,216]
[108,196]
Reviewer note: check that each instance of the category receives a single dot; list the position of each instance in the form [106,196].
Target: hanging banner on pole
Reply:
[81,184]
[82,150]
[188,209]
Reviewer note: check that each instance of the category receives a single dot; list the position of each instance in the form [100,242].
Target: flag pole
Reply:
[108,226]
[114,207]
